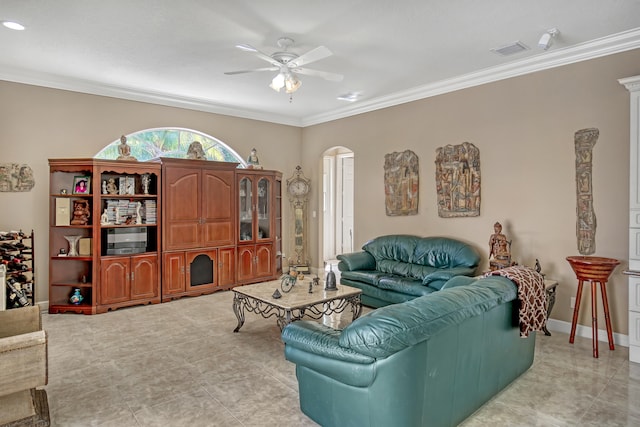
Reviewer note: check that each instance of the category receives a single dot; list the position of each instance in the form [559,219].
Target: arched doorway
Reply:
[337,202]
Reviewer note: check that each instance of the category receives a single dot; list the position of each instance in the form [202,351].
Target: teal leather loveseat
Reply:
[397,268]
[431,361]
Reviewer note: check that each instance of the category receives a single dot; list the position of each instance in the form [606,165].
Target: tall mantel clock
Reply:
[298,187]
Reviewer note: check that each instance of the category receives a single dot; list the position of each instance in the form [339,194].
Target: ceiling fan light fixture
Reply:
[291,83]
[277,83]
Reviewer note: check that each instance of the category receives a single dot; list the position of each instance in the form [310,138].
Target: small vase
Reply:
[77,297]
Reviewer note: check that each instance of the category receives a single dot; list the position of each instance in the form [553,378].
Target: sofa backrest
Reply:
[389,329]
[407,255]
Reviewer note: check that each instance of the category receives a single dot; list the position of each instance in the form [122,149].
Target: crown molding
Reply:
[631,83]
[609,45]
[53,81]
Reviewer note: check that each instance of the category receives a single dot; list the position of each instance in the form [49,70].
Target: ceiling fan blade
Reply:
[256,52]
[313,55]
[317,73]
[231,73]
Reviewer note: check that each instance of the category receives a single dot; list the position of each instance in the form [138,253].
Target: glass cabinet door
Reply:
[263,208]
[245,211]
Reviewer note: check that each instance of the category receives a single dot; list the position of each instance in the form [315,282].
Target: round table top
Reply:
[592,267]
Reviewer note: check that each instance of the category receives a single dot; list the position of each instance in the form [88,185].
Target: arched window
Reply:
[152,144]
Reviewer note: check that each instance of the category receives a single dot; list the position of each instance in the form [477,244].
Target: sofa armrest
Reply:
[356,261]
[317,347]
[24,358]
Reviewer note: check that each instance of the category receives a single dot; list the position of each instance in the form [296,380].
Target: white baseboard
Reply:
[585,332]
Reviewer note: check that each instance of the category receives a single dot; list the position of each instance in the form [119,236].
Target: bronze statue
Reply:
[124,150]
[499,249]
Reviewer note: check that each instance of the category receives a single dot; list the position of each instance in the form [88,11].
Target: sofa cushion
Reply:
[438,252]
[405,285]
[367,276]
[406,269]
[390,329]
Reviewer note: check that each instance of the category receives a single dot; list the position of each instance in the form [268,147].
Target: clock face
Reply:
[298,188]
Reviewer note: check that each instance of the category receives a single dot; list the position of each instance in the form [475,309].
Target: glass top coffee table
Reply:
[295,304]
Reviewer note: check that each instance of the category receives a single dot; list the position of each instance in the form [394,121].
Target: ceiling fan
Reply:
[289,64]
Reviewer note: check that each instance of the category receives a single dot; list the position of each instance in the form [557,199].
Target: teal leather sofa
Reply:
[431,361]
[397,268]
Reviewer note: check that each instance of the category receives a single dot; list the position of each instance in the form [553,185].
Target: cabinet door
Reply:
[144,276]
[173,273]
[226,266]
[218,196]
[182,208]
[265,261]
[200,269]
[115,285]
[263,209]
[246,263]
[245,210]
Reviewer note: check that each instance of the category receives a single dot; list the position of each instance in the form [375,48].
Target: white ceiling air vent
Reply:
[510,49]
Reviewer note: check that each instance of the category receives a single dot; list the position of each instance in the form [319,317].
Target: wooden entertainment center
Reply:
[168,229]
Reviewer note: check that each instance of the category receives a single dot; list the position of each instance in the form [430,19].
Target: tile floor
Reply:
[179,364]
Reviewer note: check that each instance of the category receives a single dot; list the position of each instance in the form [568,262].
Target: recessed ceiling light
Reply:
[350,96]
[13,25]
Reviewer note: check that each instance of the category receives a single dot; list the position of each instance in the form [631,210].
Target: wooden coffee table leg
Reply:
[576,309]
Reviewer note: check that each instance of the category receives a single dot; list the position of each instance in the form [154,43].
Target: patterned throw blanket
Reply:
[531,296]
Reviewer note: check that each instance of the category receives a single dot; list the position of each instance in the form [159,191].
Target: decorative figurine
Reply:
[146,180]
[124,150]
[196,152]
[288,280]
[112,188]
[276,294]
[253,161]
[104,218]
[104,187]
[330,284]
[81,212]
[499,249]
[138,215]
[117,215]
[77,297]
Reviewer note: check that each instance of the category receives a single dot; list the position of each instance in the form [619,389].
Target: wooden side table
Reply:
[595,270]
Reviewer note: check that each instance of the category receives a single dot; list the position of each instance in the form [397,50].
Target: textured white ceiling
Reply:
[176,52]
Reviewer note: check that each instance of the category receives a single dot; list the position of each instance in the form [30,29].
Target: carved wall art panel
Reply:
[16,178]
[401,183]
[584,140]
[458,180]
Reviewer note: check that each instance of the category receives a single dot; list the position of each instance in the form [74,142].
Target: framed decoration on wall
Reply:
[401,183]
[458,180]
[81,185]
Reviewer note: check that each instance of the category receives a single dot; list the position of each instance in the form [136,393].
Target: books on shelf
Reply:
[119,211]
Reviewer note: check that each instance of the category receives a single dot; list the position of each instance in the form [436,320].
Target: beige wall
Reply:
[524,128]
[39,123]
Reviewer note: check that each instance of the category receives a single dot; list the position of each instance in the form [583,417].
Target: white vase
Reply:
[73,245]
